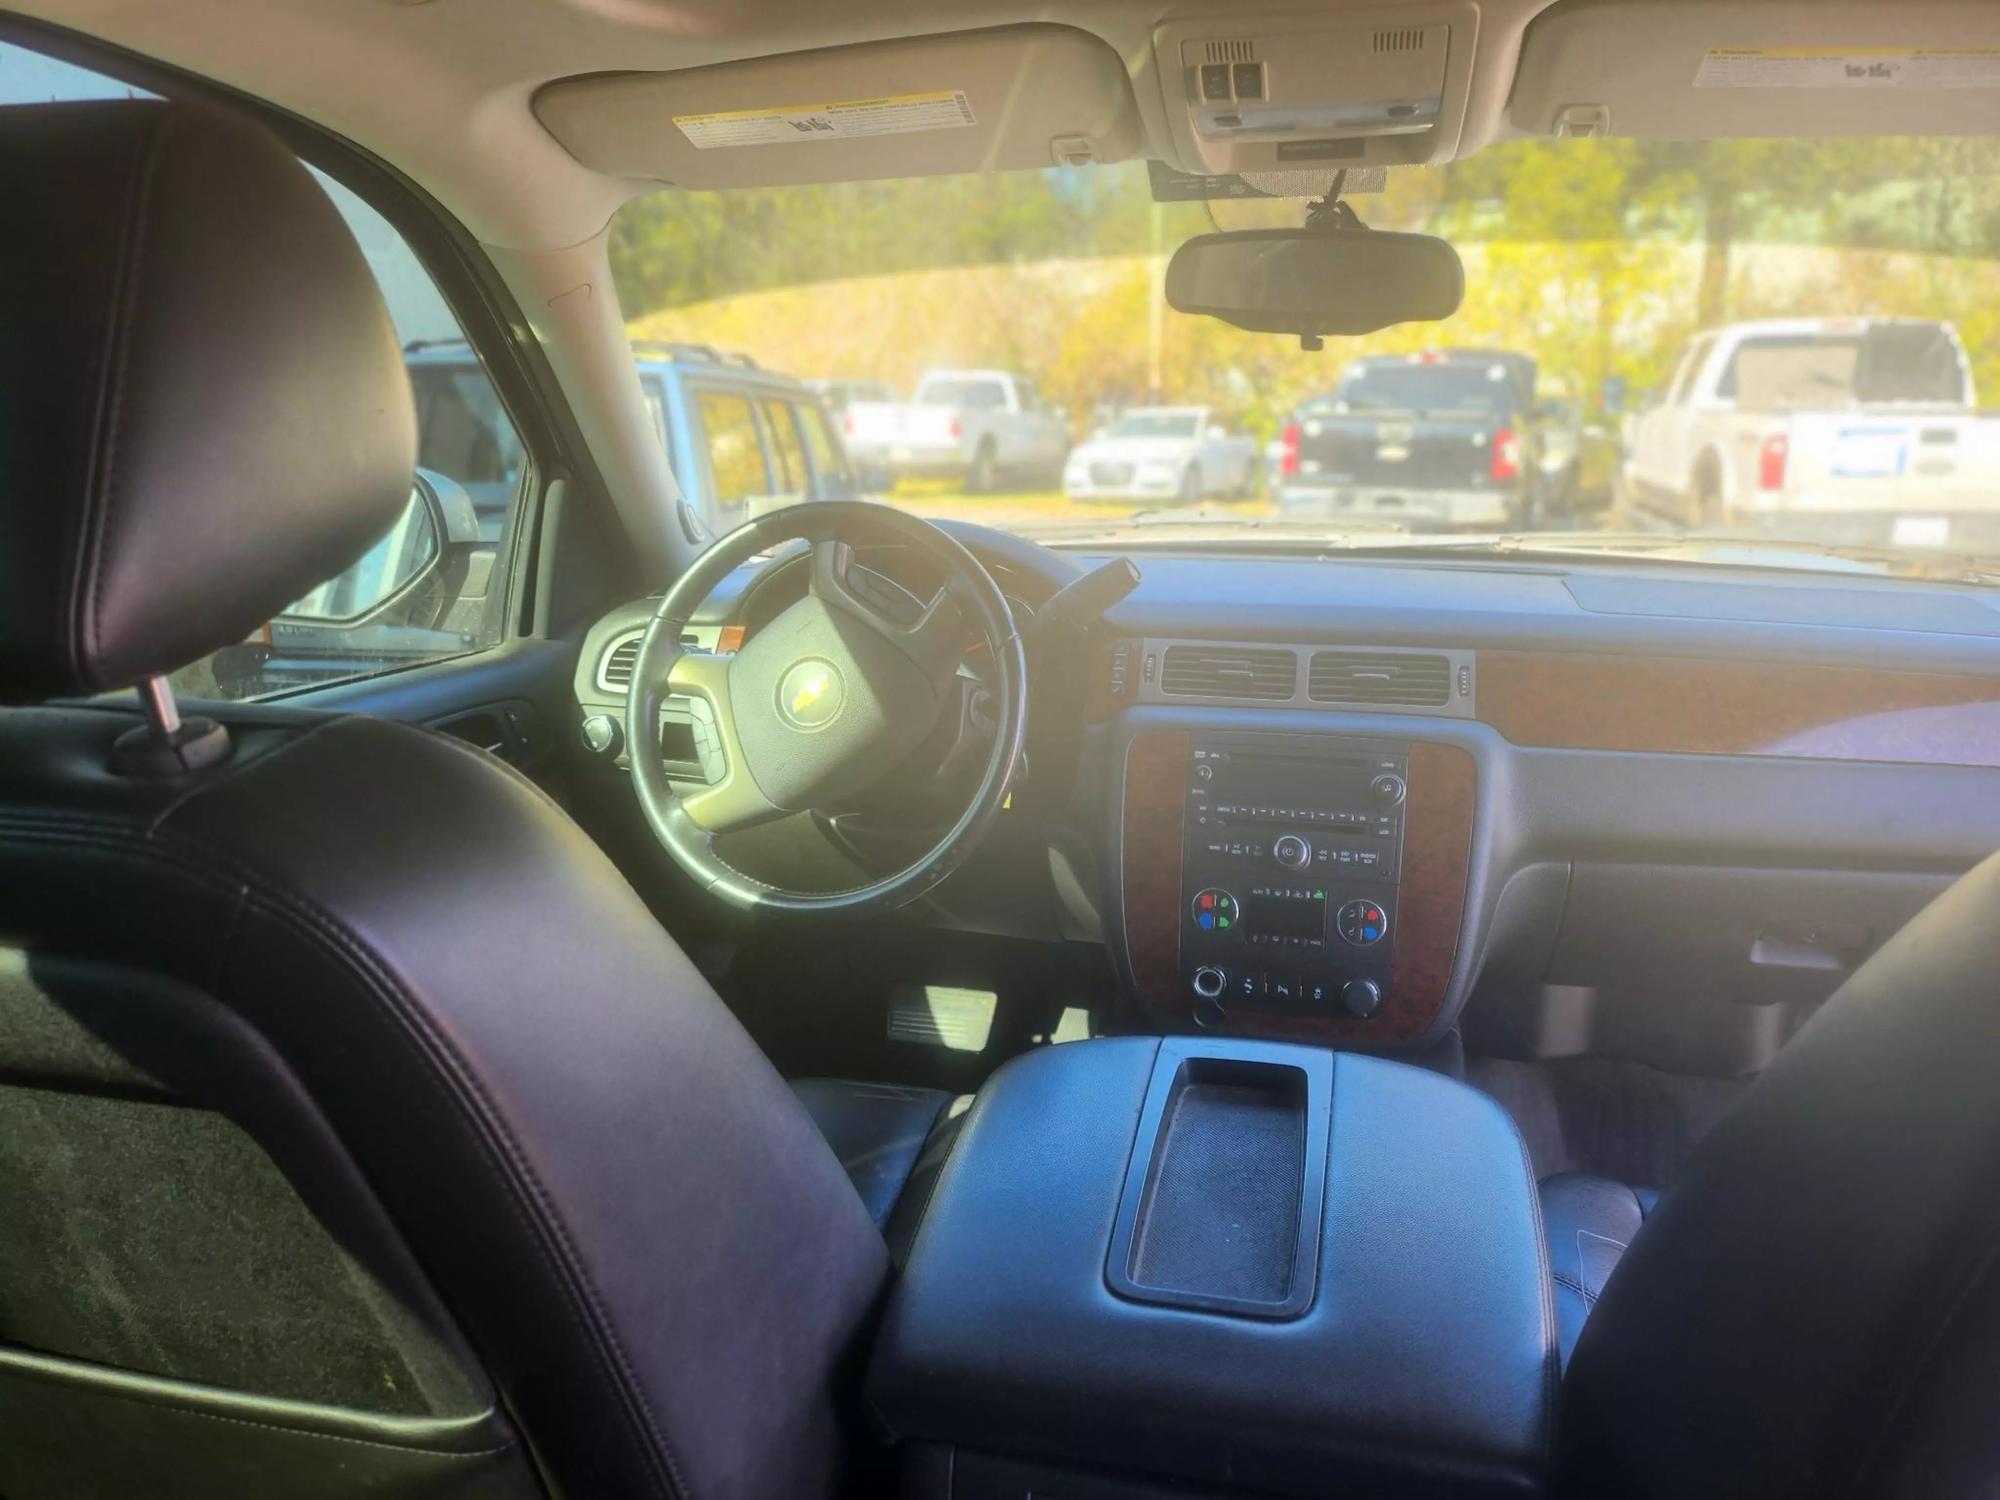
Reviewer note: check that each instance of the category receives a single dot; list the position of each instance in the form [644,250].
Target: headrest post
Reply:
[157,695]
[166,745]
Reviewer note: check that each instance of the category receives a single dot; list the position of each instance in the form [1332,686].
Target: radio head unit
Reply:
[1293,851]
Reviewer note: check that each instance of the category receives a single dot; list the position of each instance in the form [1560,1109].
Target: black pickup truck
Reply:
[1443,439]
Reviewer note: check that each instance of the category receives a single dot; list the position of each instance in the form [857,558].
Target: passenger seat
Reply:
[1588,1221]
[893,1141]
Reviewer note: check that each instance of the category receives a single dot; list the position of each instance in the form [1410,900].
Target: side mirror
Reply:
[437,525]
[1313,282]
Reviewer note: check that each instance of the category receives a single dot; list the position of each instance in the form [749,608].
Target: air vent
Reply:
[1408,39]
[617,669]
[614,673]
[1230,672]
[1387,679]
[1237,51]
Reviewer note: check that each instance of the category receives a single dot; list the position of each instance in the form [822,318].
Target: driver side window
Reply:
[436,584]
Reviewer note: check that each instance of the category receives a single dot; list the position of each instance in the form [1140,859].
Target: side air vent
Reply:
[1389,679]
[1230,672]
[1237,51]
[614,673]
[1407,39]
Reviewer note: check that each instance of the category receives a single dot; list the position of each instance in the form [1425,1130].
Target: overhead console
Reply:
[1322,89]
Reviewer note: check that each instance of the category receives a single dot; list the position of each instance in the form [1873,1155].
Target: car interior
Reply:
[852,1004]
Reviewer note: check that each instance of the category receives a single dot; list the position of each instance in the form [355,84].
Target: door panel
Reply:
[514,700]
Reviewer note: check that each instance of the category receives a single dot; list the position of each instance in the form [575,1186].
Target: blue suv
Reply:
[740,439]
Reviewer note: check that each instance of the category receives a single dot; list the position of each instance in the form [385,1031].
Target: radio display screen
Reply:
[1323,793]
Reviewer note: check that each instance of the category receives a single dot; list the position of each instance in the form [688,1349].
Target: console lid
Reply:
[1265,1268]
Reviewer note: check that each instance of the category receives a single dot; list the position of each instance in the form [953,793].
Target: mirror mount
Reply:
[1333,211]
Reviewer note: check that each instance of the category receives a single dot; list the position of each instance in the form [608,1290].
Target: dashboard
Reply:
[1338,799]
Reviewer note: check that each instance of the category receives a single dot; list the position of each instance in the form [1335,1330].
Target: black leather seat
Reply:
[877,1130]
[1589,1222]
[1814,1309]
[360,1129]
[891,1140]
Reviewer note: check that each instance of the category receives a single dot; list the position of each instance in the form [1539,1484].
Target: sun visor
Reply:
[1005,99]
[1705,69]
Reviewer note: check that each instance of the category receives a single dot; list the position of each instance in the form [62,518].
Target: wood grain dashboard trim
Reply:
[1155,806]
[1430,902]
[1701,706]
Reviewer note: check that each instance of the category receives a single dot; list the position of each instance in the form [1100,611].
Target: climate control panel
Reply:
[1289,874]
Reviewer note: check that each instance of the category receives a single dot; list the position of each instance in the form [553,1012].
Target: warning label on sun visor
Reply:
[895,114]
[1849,68]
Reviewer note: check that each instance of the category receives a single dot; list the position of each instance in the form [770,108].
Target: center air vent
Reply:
[614,673]
[1389,679]
[1230,672]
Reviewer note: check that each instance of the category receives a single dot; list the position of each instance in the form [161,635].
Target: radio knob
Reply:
[1210,982]
[1361,998]
[1291,851]
[1387,789]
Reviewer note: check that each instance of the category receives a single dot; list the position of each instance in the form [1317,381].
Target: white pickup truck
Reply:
[1177,454]
[976,426]
[1838,430]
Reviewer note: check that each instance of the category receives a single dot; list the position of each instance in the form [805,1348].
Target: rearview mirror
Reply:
[1316,281]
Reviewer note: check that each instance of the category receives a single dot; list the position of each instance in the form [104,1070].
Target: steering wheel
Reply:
[826,699]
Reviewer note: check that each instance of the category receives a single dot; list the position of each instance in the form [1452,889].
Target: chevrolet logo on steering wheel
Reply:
[810,695]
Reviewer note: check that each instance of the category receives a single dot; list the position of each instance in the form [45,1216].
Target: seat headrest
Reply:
[203,407]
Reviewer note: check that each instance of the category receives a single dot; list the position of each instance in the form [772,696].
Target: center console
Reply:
[1197,1266]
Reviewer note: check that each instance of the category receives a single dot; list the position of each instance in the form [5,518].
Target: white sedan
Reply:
[1171,454]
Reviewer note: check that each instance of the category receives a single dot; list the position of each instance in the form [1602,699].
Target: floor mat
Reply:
[1621,1120]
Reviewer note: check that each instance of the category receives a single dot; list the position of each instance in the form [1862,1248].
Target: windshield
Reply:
[1767,353]
[1158,424]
